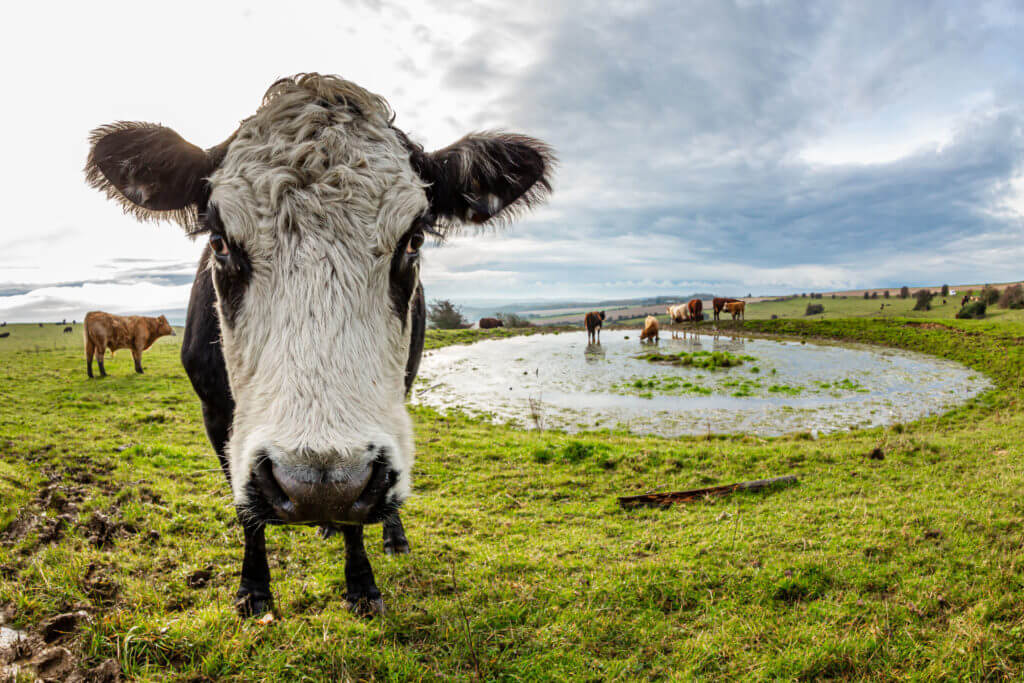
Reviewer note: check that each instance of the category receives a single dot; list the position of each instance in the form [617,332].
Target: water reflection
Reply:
[594,353]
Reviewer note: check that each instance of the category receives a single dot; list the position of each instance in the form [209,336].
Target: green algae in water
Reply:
[709,360]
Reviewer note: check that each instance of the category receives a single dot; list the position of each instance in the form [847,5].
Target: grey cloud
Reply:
[692,116]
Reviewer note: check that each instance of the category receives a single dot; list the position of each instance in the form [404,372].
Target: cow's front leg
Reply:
[395,542]
[253,597]
[137,357]
[361,592]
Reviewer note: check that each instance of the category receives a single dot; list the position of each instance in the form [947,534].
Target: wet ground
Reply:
[558,381]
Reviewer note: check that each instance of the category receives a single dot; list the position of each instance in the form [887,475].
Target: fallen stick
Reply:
[666,499]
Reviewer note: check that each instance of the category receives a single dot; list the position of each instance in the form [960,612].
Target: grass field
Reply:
[523,565]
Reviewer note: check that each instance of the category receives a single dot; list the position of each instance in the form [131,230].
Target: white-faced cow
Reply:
[306,320]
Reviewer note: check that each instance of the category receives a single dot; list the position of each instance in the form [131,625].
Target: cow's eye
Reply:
[415,242]
[218,244]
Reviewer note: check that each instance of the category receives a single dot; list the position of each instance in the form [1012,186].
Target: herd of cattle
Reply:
[691,311]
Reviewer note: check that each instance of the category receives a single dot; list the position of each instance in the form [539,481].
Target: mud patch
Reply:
[101,530]
[98,586]
[199,578]
[61,625]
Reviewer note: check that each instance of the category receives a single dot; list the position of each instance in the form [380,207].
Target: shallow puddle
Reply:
[558,381]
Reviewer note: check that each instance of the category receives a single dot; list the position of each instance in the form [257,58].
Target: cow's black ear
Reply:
[151,171]
[486,177]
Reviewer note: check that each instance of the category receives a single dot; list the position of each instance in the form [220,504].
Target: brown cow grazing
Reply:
[105,331]
[719,302]
[490,323]
[737,309]
[650,331]
[593,321]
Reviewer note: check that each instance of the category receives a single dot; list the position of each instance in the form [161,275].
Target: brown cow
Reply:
[105,331]
[719,302]
[490,323]
[695,310]
[737,308]
[593,321]
[650,331]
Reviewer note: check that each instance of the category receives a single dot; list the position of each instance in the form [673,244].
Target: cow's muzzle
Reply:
[325,496]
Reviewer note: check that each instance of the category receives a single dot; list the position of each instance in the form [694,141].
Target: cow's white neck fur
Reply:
[319,199]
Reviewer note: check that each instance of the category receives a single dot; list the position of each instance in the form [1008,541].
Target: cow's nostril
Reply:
[382,478]
[270,487]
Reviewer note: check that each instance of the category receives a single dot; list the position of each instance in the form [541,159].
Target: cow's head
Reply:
[315,210]
[163,328]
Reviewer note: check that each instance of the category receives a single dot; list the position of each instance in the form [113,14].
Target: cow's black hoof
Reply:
[365,606]
[396,544]
[253,603]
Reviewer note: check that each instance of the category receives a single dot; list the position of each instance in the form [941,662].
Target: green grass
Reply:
[523,565]
[707,360]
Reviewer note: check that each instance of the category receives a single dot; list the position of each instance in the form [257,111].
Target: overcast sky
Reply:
[733,147]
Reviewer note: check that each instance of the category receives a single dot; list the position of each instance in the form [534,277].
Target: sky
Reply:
[720,146]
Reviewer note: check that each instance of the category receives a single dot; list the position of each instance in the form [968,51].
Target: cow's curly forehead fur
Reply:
[318,145]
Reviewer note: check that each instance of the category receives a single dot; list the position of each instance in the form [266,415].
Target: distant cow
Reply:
[695,310]
[719,302]
[68,329]
[489,323]
[650,330]
[593,321]
[737,309]
[135,332]
[4,334]
[678,313]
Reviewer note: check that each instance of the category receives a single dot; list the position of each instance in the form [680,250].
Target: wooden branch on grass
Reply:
[668,498]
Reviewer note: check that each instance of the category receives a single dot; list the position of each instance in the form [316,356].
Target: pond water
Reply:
[558,381]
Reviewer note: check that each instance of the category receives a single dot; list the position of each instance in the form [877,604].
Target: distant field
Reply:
[849,303]
[906,566]
[853,307]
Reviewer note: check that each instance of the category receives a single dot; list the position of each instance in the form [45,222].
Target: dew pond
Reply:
[697,384]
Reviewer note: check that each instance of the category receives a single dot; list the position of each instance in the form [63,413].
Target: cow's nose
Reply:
[313,495]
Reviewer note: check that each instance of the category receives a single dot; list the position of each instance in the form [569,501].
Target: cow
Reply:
[678,313]
[650,331]
[306,319]
[737,309]
[695,310]
[491,323]
[68,329]
[718,303]
[4,335]
[594,321]
[135,332]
